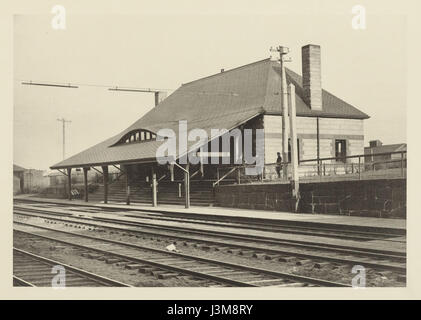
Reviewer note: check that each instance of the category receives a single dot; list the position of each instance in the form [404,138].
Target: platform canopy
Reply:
[221,101]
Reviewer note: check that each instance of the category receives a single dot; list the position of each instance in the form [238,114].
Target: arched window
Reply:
[137,136]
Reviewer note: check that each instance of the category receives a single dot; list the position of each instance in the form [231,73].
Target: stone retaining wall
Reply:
[375,198]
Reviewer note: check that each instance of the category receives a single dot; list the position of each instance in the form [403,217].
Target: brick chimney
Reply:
[312,77]
[375,143]
[159,96]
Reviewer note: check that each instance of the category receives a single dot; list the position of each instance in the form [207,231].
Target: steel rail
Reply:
[77,271]
[46,210]
[267,240]
[350,261]
[257,225]
[21,283]
[279,275]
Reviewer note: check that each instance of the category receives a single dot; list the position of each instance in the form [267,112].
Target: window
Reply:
[289,150]
[340,150]
[137,136]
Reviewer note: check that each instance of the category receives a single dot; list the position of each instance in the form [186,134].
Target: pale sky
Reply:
[366,68]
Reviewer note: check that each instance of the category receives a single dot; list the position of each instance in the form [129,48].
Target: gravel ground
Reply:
[399,246]
[332,272]
[72,256]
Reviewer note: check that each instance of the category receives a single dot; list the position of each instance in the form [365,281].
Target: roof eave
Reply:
[322,115]
[98,164]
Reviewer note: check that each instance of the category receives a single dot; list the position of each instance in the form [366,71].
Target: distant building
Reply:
[18,179]
[28,180]
[383,153]
[57,178]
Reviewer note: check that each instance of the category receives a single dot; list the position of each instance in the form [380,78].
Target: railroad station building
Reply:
[246,97]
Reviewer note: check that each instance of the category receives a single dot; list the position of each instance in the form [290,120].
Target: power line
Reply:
[134,89]
[78,84]
[122,88]
[49,85]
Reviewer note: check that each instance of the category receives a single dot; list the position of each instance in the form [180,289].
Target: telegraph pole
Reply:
[63,121]
[295,187]
[285,128]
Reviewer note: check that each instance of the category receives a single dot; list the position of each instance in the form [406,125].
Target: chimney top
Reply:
[311,45]
[312,79]
[375,143]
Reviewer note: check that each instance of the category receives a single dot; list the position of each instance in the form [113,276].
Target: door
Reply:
[340,150]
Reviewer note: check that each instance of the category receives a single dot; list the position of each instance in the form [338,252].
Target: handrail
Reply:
[119,175]
[346,157]
[195,173]
[321,165]
[224,176]
[162,177]
[382,162]
[355,156]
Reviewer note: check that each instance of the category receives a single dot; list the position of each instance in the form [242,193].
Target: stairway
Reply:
[201,192]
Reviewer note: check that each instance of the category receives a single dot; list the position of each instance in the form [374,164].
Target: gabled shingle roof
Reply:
[386,148]
[332,105]
[221,101]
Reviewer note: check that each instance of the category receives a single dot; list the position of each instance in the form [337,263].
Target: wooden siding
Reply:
[351,130]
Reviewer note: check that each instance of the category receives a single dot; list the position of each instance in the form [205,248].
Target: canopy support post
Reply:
[154,190]
[85,178]
[126,171]
[187,185]
[69,182]
[105,178]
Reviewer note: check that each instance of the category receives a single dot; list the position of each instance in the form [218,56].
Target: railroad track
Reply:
[165,264]
[269,249]
[234,222]
[185,229]
[31,270]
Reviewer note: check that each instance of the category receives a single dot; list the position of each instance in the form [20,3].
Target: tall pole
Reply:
[283,51]
[294,146]
[64,139]
[63,121]
[318,145]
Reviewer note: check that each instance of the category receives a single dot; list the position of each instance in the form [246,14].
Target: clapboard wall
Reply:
[330,129]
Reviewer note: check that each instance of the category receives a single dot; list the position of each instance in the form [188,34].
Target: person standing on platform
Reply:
[279,165]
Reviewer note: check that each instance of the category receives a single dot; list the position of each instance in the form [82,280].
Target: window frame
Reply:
[341,157]
[136,136]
